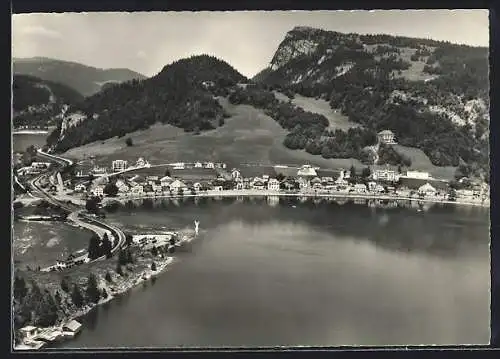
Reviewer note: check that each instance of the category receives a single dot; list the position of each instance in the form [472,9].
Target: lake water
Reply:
[20,142]
[291,273]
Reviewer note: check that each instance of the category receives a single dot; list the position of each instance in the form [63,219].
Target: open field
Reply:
[42,243]
[321,107]
[248,136]
[420,161]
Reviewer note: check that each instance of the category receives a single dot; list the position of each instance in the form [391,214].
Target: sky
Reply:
[147,41]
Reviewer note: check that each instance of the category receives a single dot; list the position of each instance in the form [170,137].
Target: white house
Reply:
[427,190]
[98,191]
[141,162]
[341,182]
[72,327]
[157,188]
[306,170]
[198,165]
[197,186]
[417,174]
[386,136]
[177,185]
[165,181]
[119,165]
[385,175]
[303,183]
[152,178]
[218,188]
[258,184]
[359,188]
[123,189]
[273,184]
[178,166]
[239,185]
[209,165]
[465,193]
[29,332]
[137,189]
[235,174]
[80,187]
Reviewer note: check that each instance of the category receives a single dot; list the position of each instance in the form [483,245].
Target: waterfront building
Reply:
[157,189]
[258,184]
[177,185]
[197,186]
[209,165]
[119,165]
[198,165]
[72,326]
[28,332]
[385,175]
[235,174]
[273,184]
[359,188]
[386,137]
[239,185]
[417,174]
[303,183]
[165,181]
[137,189]
[427,190]
[306,171]
[465,193]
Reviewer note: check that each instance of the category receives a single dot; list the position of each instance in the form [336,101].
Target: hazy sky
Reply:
[145,42]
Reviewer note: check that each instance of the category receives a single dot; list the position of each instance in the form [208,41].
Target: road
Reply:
[76,214]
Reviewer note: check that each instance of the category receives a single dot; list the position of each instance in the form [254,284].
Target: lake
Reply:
[20,142]
[289,272]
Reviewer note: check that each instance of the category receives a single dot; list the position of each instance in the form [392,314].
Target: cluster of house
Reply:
[34,168]
[33,337]
[304,179]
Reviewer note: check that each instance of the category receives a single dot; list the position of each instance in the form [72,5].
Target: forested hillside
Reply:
[432,95]
[35,101]
[86,80]
[181,94]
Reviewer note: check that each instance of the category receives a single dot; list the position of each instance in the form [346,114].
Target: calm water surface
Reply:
[20,142]
[316,274]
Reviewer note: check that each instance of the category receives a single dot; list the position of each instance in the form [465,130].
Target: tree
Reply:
[280,177]
[57,297]
[180,192]
[130,258]
[104,294]
[221,122]
[92,292]
[106,246]
[167,172]
[110,189]
[353,171]
[129,142]
[20,288]
[94,248]
[77,297]
[154,251]
[128,239]
[108,277]
[65,284]
[119,269]
[153,267]
[366,172]
[47,311]
[92,204]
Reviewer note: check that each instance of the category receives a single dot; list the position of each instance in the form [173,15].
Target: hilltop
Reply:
[36,101]
[181,94]
[86,80]
[433,95]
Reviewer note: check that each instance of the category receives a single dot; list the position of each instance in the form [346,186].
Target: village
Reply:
[208,178]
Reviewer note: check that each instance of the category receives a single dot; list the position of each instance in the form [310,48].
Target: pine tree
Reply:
[47,311]
[77,297]
[153,267]
[106,246]
[154,251]
[57,297]
[108,277]
[119,269]
[20,288]
[130,258]
[92,292]
[65,284]
[104,294]
[94,247]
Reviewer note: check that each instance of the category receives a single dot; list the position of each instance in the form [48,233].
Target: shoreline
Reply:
[114,291]
[30,132]
[265,193]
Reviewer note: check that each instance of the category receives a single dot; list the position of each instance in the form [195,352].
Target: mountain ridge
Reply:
[87,80]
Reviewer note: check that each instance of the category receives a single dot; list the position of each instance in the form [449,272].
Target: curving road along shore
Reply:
[267,193]
[76,214]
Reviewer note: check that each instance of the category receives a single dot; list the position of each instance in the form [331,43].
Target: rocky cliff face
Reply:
[415,87]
